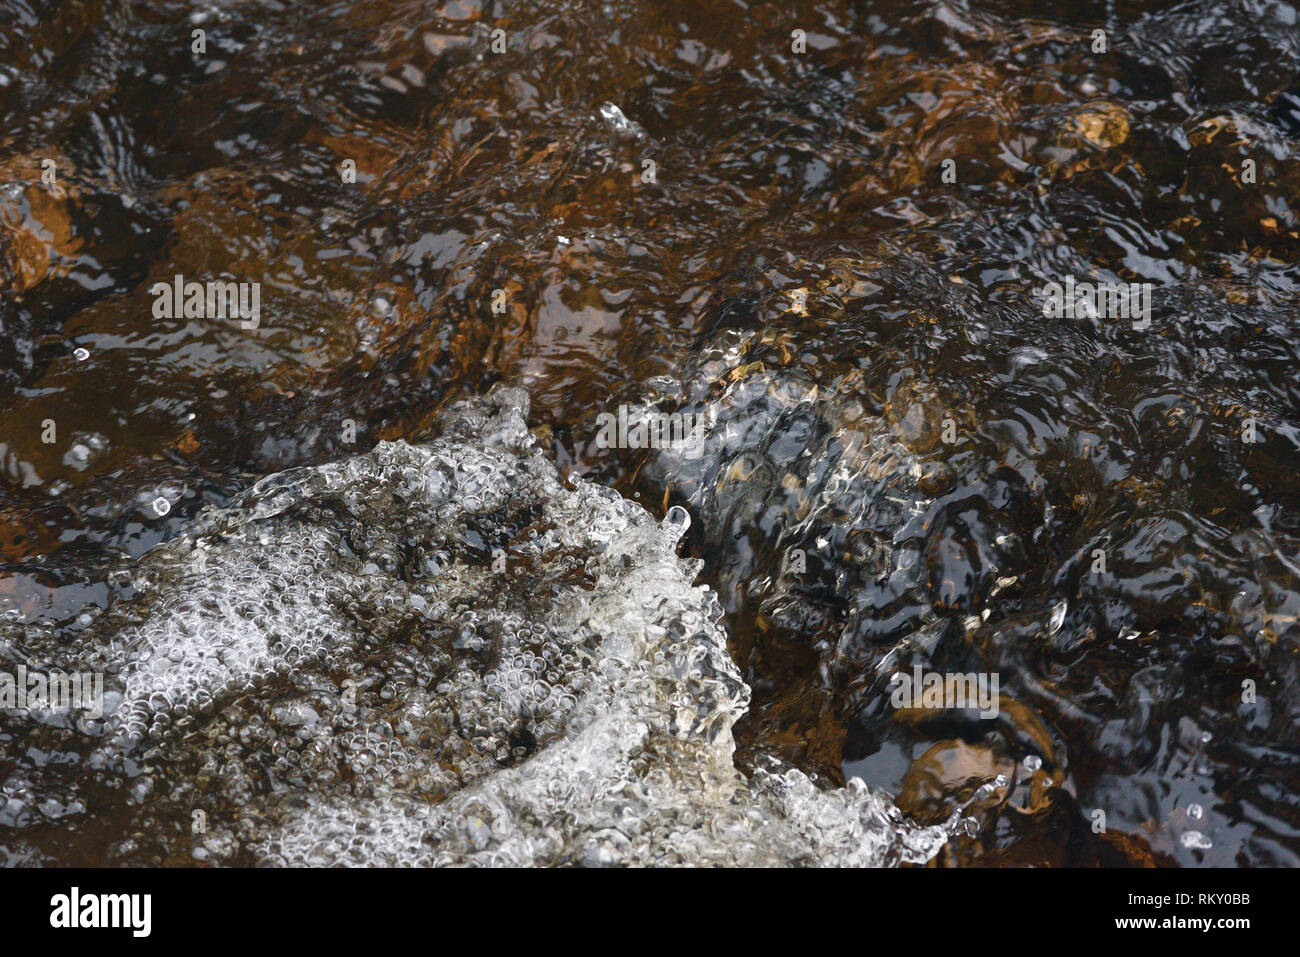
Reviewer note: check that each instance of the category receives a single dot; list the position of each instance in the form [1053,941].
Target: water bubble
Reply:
[161,506]
[1032,762]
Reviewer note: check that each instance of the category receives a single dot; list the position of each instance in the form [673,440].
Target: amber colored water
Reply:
[774,171]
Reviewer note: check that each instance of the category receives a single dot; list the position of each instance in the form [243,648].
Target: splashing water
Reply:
[435,654]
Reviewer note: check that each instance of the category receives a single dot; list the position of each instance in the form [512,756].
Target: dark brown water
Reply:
[798,235]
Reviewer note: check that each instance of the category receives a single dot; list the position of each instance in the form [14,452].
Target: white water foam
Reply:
[448,654]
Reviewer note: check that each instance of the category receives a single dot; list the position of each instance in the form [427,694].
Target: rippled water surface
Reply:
[665,205]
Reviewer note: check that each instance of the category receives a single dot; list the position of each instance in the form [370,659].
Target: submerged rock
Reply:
[37,238]
[429,654]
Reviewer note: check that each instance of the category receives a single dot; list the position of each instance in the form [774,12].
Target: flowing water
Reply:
[822,231]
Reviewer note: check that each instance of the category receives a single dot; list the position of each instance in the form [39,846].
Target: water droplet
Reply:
[1033,762]
[676,522]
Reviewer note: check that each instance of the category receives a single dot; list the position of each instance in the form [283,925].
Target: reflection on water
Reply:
[837,255]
